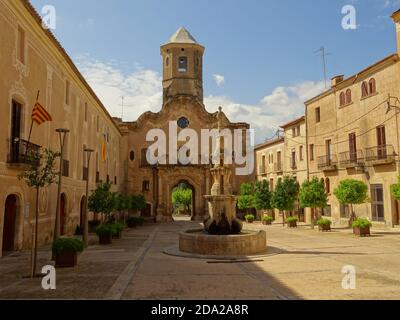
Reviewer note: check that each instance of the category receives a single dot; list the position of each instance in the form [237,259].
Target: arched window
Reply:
[372,86]
[364,90]
[348,96]
[167,62]
[342,99]
[183,64]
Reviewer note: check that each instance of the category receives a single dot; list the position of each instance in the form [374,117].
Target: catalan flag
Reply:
[40,115]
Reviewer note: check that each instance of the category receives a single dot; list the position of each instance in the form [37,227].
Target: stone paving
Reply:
[307,264]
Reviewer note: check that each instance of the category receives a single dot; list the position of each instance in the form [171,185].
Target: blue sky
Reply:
[264,51]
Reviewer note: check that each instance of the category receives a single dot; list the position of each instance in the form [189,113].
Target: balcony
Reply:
[262,170]
[22,152]
[352,159]
[293,165]
[327,163]
[380,155]
[278,168]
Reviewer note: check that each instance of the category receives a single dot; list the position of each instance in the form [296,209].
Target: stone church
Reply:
[183,103]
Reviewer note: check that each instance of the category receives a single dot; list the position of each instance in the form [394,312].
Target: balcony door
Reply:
[353,147]
[329,151]
[16,110]
[381,139]
[279,161]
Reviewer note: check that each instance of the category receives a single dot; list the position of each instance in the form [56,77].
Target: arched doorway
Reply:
[82,211]
[9,226]
[183,199]
[146,212]
[62,214]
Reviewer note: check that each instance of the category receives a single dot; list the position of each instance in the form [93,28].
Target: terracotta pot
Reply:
[292,224]
[66,259]
[105,239]
[324,228]
[362,232]
[267,223]
[251,221]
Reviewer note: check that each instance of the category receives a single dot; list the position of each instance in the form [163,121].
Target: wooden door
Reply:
[381,139]
[15,130]
[10,215]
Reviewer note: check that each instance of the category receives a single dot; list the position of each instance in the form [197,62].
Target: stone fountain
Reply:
[222,234]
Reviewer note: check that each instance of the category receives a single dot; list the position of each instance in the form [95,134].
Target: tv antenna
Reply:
[322,52]
[123,105]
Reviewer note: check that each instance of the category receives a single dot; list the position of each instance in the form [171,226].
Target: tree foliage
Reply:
[395,189]
[262,196]
[182,197]
[102,200]
[246,198]
[351,192]
[136,202]
[286,194]
[313,195]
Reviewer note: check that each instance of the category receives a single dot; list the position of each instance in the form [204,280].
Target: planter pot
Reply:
[67,259]
[362,232]
[324,228]
[118,236]
[267,223]
[103,240]
[292,224]
[249,221]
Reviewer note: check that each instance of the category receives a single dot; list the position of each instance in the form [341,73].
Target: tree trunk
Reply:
[352,216]
[284,220]
[34,258]
[312,218]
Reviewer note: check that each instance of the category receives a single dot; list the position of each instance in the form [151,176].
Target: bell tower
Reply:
[182,66]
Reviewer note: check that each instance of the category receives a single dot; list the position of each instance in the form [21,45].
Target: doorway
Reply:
[9,228]
[183,199]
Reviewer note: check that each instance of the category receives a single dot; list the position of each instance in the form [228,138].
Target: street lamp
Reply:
[62,133]
[88,153]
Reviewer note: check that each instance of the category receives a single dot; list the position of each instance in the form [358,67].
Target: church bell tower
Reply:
[182,66]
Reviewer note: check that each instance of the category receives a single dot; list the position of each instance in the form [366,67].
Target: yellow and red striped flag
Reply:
[40,115]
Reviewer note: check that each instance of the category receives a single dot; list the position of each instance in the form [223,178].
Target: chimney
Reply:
[396,20]
[336,80]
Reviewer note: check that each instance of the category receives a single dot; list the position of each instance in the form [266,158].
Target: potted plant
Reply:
[324,224]
[93,224]
[66,251]
[105,233]
[362,227]
[250,218]
[117,230]
[291,222]
[267,220]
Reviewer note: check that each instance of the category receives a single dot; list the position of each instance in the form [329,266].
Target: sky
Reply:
[260,63]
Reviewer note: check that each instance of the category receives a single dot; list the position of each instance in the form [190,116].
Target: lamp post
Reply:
[62,133]
[88,153]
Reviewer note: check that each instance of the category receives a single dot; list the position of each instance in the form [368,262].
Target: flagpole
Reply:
[30,131]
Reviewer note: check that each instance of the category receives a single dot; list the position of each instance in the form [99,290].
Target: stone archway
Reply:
[188,185]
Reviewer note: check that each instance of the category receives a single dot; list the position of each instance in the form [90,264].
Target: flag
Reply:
[40,115]
[104,149]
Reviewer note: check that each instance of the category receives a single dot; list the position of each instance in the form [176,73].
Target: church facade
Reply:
[183,106]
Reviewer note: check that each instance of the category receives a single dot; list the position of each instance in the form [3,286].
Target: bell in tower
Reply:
[182,66]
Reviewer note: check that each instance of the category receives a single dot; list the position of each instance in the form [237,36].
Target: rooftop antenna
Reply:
[123,105]
[323,54]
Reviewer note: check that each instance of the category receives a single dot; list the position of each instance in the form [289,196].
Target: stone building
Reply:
[353,132]
[183,108]
[32,60]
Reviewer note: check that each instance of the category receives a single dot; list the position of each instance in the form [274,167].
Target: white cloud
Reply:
[142,89]
[219,79]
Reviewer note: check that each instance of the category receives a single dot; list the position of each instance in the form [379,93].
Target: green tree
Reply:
[285,195]
[351,192]
[262,196]
[395,189]
[312,195]
[102,200]
[182,198]
[246,198]
[41,174]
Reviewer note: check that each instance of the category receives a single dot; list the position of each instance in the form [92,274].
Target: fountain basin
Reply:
[200,242]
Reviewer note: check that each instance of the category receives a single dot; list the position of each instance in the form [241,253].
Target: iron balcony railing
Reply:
[262,170]
[328,162]
[278,167]
[23,152]
[351,158]
[385,152]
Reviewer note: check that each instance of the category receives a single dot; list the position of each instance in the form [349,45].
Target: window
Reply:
[301,153]
[294,166]
[381,141]
[318,115]
[328,146]
[342,99]
[86,112]
[372,86]
[348,96]
[311,152]
[298,131]
[21,45]
[364,90]
[183,64]
[132,155]
[115,179]
[293,132]
[146,185]
[353,147]
[378,209]
[167,62]
[97,124]
[327,186]
[183,123]
[67,92]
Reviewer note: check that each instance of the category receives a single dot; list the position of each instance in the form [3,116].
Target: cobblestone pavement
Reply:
[308,265]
